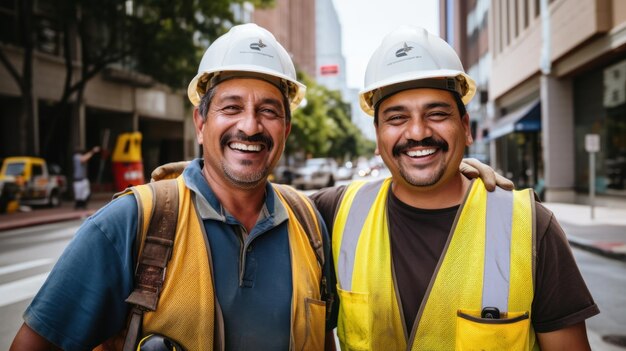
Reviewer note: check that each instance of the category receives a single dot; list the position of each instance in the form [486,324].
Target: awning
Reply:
[524,119]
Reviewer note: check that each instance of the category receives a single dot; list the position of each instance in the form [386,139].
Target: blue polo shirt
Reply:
[82,301]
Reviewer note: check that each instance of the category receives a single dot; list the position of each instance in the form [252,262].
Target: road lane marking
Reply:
[20,290]
[22,266]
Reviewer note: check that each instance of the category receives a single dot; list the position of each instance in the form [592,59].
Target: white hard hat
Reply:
[410,57]
[251,51]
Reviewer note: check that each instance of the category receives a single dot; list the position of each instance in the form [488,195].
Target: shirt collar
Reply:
[209,206]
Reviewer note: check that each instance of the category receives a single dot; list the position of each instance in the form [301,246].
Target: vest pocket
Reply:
[354,308]
[507,333]
[315,324]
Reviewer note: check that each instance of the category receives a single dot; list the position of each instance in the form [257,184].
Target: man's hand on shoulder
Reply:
[169,170]
[472,168]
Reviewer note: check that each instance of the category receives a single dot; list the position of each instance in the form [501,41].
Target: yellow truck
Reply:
[38,182]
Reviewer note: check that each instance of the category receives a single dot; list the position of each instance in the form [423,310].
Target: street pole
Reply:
[592,145]
[592,182]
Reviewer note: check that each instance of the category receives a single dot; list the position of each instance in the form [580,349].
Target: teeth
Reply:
[418,153]
[245,147]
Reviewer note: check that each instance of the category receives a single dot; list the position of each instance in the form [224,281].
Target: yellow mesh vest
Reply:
[457,284]
[369,318]
[186,310]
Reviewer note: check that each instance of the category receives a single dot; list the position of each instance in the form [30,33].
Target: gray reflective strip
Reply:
[361,205]
[498,249]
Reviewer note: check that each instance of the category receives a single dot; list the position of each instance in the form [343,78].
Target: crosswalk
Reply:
[22,289]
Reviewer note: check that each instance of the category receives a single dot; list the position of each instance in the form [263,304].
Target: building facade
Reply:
[293,24]
[559,65]
[556,73]
[311,33]
[463,24]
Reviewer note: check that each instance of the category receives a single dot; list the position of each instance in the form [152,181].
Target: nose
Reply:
[418,129]
[249,123]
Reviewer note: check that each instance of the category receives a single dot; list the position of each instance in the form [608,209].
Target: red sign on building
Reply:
[329,70]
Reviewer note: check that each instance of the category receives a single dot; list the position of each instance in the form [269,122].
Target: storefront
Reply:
[600,108]
[517,137]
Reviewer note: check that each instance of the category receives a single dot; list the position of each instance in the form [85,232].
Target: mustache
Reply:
[410,143]
[241,136]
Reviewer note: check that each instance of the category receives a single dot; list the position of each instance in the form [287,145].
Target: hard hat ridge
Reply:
[247,51]
[408,58]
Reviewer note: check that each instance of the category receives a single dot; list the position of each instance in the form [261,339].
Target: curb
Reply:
[615,251]
[45,219]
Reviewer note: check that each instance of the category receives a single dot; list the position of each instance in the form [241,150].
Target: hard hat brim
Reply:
[296,93]
[366,95]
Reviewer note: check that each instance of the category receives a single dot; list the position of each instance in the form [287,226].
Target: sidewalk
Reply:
[42,215]
[605,234]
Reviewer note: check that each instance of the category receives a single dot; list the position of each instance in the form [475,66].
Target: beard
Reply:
[251,179]
[421,180]
[408,173]
[247,180]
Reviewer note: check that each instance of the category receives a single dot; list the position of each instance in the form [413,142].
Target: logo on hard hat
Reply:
[257,46]
[403,51]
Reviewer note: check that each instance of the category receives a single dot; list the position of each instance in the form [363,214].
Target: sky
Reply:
[364,23]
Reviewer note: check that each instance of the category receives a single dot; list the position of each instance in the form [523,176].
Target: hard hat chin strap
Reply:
[454,84]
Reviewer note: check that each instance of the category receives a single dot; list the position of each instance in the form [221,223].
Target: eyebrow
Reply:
[270,101]
[428,106]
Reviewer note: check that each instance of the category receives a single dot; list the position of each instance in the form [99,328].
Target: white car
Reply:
[315,174]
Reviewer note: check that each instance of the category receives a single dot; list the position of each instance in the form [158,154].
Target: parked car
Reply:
[316,173]
[39,183]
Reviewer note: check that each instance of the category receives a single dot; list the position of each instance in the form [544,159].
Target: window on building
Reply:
[505,24]
[525,14]
[8,22]
[514,18]
[537,8]
[450,22]
[49,35]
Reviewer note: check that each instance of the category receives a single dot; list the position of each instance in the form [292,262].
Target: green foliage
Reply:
[323,128]
[167,38]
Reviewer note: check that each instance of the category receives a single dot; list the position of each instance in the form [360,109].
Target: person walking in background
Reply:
[427,259]
[82,187]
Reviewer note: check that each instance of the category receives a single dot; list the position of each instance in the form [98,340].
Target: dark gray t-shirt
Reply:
[561,296]
[80,169]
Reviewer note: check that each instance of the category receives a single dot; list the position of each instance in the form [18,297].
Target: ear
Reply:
[287,130]
[468,131]
[198,125]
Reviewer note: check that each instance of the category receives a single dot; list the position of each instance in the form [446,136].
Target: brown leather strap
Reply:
[153,259]
[305,217]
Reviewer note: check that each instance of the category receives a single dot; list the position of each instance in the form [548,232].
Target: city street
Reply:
[28,254]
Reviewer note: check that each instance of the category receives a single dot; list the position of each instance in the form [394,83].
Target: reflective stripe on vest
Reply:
[492,274]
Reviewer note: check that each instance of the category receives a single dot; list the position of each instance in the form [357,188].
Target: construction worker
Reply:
[242,275]
[427,259]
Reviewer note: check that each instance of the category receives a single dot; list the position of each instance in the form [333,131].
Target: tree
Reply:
[323,127]
[163,39]
[24,79]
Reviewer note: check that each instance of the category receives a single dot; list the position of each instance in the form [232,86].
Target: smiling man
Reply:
[427,259]
[247,268]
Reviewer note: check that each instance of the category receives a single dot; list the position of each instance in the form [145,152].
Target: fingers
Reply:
[490,178]
[468,171]
[168,170]
[486,173]
[504,183]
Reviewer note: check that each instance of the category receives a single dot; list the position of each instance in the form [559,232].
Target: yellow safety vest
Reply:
[188,311]
[488,260]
